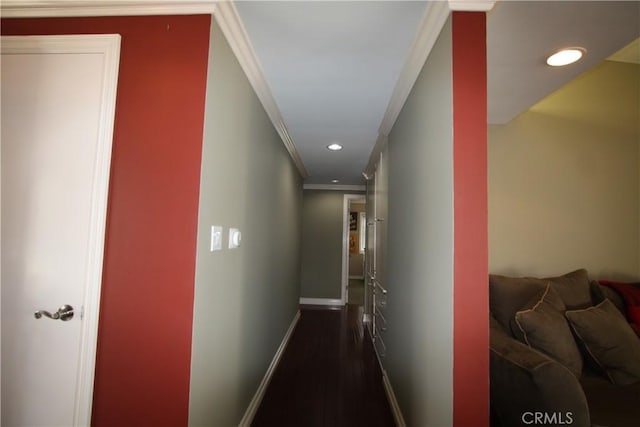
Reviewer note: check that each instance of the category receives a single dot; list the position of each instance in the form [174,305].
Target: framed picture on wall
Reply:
[353,221]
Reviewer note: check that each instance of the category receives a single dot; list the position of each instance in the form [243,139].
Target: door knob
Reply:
[64,313]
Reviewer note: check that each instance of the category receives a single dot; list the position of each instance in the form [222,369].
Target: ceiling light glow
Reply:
[335,181]
[566,56]
[334,147]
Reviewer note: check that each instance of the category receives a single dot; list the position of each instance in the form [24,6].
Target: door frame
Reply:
[370,247]
[347,199]
[107,45]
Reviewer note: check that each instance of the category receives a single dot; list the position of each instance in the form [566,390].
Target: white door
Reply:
[58,103]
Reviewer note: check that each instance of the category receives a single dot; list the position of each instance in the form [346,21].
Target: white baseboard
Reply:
[320,301]
[356,277]
[257,398]
[395,408]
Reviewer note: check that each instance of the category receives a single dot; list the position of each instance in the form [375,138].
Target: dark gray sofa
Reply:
[533,385]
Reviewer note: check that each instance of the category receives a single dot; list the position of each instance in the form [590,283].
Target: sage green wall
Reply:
[322,221]
[563,181]
[419,336]
[246,298]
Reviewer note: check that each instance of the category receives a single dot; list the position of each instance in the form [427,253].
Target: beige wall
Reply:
[246,298]
[419,260]
[564,189]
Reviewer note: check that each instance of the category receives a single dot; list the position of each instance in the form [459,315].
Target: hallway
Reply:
[328,375]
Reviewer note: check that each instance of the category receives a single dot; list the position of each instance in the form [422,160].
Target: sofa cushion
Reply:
[507,295]
[574,289]
[542,325]
[614,297]
[609,341]
[510,294]
[630,293]
[524,380]
[610,404]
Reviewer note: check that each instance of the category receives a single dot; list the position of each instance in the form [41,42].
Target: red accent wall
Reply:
[144,340]
[471,289]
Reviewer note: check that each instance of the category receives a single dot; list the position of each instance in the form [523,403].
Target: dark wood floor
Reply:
[327,376]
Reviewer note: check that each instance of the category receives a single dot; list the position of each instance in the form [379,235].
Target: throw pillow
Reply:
[507,295]
[544,327]
[609,341]
[607,292]
[630,293]
[574,289]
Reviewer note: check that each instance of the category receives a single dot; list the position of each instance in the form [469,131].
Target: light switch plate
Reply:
[216,238]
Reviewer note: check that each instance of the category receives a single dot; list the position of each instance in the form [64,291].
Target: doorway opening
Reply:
[353,249]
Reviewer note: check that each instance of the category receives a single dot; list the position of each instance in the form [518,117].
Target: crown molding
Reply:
[224,12]
[229,21]
[435,16]
[76,8]
[471,5]
[334,187]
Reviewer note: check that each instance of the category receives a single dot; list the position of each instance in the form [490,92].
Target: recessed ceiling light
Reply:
[566,56]
[335,181]
[334,147]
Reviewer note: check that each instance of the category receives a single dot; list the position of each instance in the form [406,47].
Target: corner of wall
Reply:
[419,252]
[471,289]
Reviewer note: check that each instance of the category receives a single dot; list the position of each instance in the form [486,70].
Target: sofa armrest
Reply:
[526,384]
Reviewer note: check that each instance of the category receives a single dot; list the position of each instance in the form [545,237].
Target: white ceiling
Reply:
[333,65]
[520,36]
